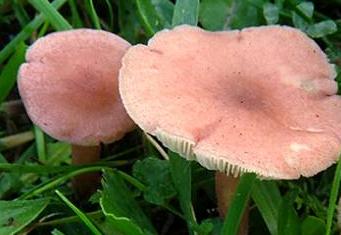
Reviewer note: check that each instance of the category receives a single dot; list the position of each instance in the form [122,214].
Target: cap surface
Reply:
[69,86]
[258,100]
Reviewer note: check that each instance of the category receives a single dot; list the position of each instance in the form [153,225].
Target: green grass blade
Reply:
[94,15]
[83,217]
[267,197]
[40,143]
[26,32]
[20,12]
[186,12]
[181,175]
[76,19]
[8,75]
[54,182]
[111,14]
[15,140]
[51,14]
[238,204]
[333,198]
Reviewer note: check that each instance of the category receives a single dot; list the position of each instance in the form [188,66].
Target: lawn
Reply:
[139,186]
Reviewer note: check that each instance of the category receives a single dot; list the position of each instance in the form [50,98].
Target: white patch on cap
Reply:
[296,147]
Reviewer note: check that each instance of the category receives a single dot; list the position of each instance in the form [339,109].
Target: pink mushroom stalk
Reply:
[259,100]
[69,86]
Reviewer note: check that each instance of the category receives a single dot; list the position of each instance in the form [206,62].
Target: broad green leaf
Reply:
[182,178]
[15,215]
[245,15]
[121,209]
[186,12]
[9,182]
[8,74]
[58,152]
[306,8]
[51,14]
[267,197]
[313,226]
[299,22]
[155,175]
[129,21]
[150,18]
[56,232]
[238,204]
[214,14]
[271,13]
[288,221]
[165,9]
[205,228]
[322,29]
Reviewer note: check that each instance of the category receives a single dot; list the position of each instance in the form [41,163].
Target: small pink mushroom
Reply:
[69,87]
[259,100]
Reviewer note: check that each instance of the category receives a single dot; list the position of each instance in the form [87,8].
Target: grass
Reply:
[146,190]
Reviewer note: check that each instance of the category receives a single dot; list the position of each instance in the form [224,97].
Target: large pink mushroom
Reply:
[259,100]
[69,86]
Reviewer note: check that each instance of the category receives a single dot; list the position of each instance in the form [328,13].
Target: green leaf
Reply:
[58,152]
[15,215]
[8,74]
[56,232]
[155,174]
[322,29]
[288,221]
[205,228]
[51,14]
[244,15]
[129,21]
[306,8]
[267,197]
[238,204]
[165,10]
[120,208]
[150,18]
[299,22]
[312,225]
[82,216]
[214,13]
[182,176]
[271,13]
[186,12]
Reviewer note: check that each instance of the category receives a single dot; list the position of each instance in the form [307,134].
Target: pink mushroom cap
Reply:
[69,86]
[260,100]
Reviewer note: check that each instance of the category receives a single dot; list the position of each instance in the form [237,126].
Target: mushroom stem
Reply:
[225,188]
[86,184]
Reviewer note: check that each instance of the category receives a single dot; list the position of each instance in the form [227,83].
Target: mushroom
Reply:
[69,86]
[261,99]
